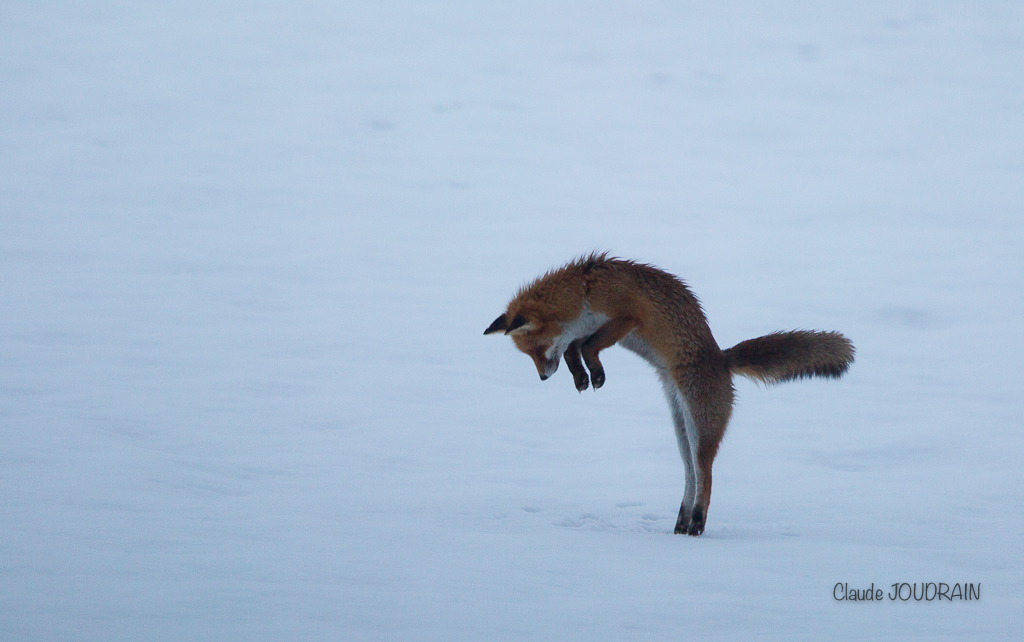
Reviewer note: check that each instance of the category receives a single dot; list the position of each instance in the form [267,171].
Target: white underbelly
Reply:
[635,343]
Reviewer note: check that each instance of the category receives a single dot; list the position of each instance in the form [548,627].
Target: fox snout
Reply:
[545,367]
[531,340]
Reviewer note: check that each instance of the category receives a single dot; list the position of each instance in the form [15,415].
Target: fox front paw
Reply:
[582,381]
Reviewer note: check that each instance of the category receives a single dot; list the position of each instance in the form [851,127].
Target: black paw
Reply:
[597,377]
[697,521]
[582,381]
[690,522]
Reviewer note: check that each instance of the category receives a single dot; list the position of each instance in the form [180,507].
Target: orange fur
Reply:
[596,301]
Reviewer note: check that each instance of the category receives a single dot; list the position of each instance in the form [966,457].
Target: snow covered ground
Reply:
[247,252]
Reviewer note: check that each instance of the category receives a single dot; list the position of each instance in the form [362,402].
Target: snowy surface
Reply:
[247,252]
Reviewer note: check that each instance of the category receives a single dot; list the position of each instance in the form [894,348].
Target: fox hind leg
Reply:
[692,517]
[686,438]
[693,512]
[706,434]
[704,441]
[699,434]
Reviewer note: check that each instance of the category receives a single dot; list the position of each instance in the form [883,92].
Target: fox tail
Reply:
[784,356]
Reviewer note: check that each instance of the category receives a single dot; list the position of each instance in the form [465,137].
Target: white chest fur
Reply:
[581,327]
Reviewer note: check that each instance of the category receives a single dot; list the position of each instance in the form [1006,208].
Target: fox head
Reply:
[534,335]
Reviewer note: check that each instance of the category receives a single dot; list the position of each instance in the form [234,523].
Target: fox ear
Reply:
[499,325]
[519,325]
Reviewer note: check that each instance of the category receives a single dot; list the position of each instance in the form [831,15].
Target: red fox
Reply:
[595,302]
